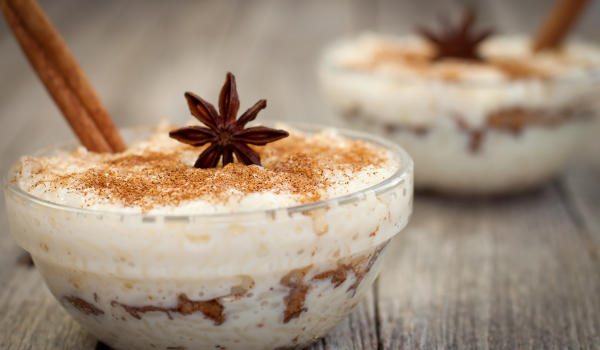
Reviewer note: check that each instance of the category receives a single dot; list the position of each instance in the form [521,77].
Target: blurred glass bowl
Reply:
[472,137]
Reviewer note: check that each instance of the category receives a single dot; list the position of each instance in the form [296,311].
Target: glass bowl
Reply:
[469,137]
[268,279]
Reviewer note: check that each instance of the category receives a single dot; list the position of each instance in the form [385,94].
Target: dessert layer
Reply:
[513,154]
[514,121]
[242,312]
[157,175]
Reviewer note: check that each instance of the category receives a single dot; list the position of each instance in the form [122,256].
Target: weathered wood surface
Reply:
[520,272]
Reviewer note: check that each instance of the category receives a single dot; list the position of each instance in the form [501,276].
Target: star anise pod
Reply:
[225,134]
[457,41]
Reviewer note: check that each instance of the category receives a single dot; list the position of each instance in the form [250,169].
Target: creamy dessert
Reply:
[500,118]
[154,176]
[146,251]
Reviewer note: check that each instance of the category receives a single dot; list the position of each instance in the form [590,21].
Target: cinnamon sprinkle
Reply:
[449,70]
[147,177]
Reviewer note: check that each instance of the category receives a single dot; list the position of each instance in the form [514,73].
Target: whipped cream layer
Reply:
[157,176]
[393,79]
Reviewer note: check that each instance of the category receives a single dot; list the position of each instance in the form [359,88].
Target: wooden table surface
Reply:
[514,273]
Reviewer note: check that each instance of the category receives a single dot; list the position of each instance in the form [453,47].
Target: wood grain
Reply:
[506,274]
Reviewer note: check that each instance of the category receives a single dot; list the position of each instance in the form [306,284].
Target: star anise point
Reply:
[457,41]
[226,134]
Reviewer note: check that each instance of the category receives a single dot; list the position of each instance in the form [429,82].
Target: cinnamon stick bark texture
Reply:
[39,25]
[76,114]
[557,24]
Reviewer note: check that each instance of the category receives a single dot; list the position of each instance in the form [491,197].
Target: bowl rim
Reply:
[404,170]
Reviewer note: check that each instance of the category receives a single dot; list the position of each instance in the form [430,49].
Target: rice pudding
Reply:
[501,125]
[146,251]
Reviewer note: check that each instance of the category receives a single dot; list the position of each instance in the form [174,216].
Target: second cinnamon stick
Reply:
[557,24]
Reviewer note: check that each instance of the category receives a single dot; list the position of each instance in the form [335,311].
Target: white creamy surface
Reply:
[399,92]
[42,184]
[576,59]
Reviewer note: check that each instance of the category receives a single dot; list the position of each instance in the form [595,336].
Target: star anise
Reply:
[225,134]
[459,41]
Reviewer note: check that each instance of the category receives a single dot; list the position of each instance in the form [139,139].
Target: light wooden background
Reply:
[513,273]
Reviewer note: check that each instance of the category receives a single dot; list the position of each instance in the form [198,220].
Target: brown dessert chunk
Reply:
[338,275]
[361,273]
[294,301]
[212,309]
[359,266]
[517,119]
[83,306]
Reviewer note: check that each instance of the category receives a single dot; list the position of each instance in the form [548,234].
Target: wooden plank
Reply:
[580,187]
[30,317]
[503,274]
[358,331]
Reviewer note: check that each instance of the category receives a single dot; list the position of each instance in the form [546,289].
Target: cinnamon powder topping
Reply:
[159,172]
[387,56]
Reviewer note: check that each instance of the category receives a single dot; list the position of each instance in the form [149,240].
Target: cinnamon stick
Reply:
[39,25]
[83,125]
[557,24]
